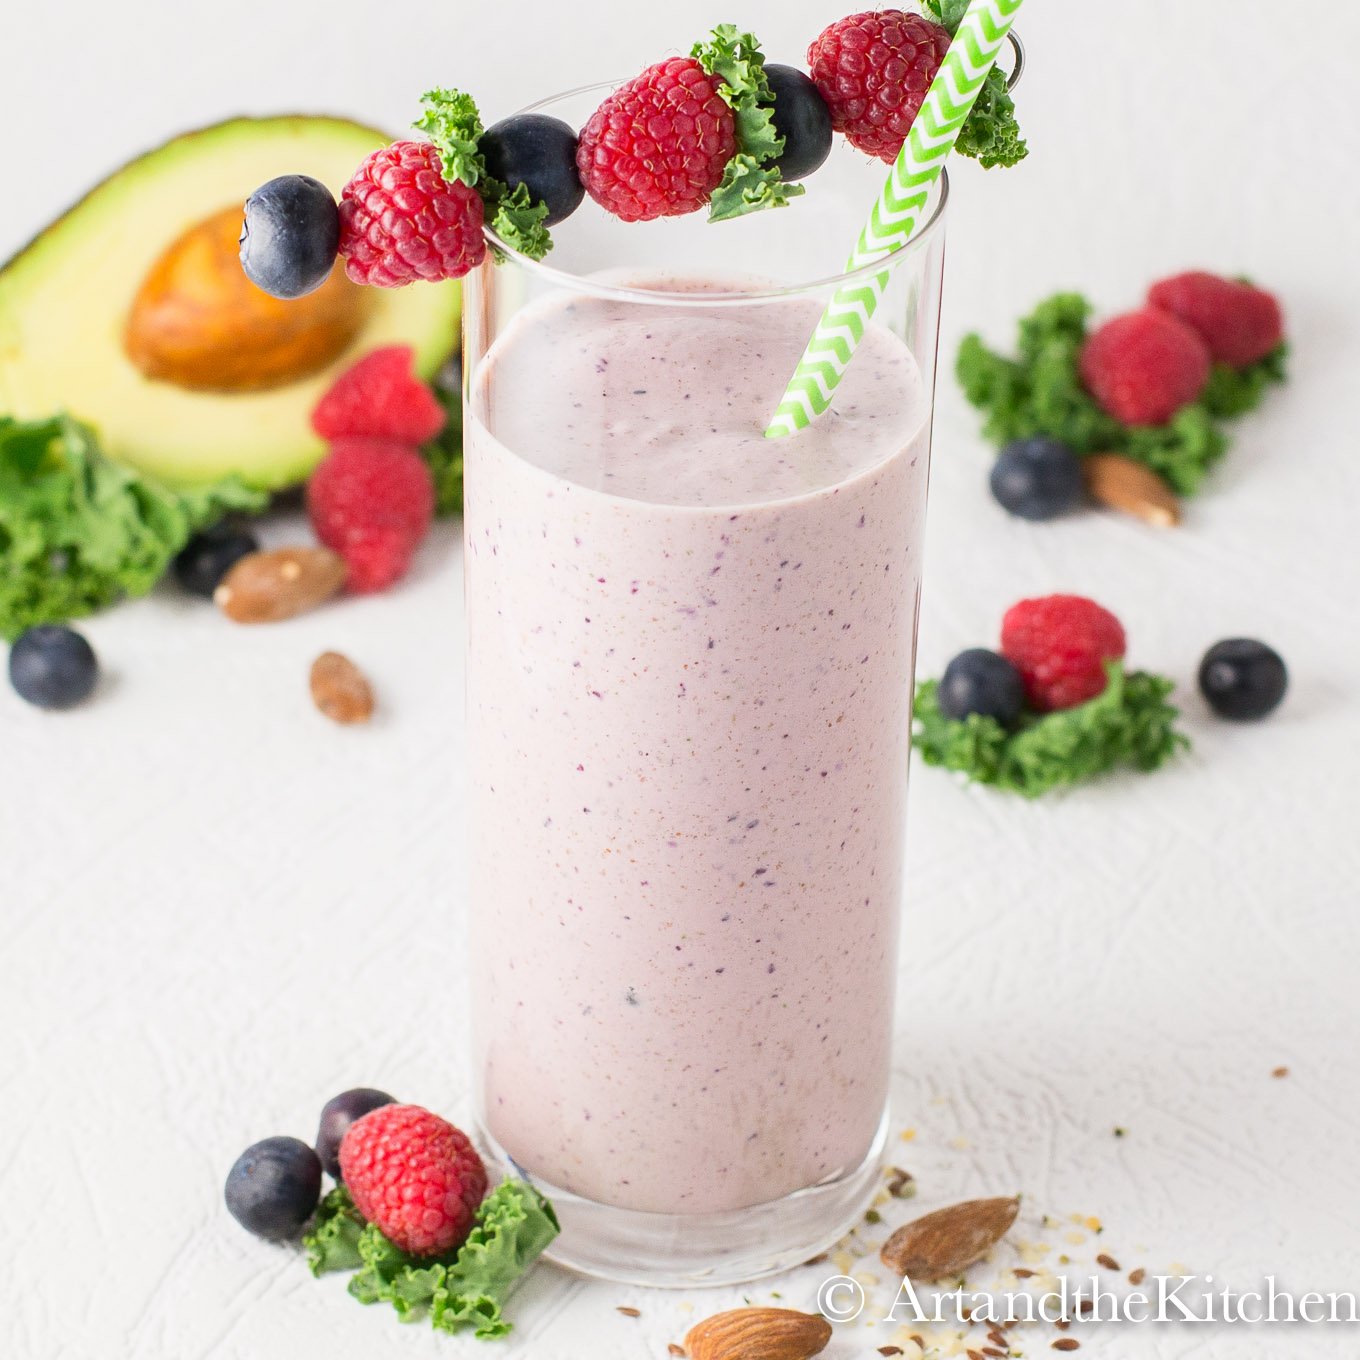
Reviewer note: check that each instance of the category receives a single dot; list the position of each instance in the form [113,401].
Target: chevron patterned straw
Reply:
[933,133]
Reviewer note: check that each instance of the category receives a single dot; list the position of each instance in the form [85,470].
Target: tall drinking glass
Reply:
[690,658]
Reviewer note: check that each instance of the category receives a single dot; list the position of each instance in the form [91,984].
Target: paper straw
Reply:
[934,131]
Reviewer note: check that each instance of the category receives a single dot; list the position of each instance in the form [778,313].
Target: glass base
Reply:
[676,1251]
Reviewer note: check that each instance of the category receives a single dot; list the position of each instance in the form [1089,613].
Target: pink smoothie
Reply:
[689,685]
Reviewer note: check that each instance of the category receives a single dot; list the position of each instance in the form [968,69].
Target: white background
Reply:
[218,910]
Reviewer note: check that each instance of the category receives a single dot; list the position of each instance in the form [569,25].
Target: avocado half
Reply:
[65,300]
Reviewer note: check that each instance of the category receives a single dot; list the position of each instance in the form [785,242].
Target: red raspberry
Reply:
[401,220]
[380,398]
[1239,323]
[1142,367]
[415,1176]
[371,500]
[873,71]
[658,145]
[1058,644]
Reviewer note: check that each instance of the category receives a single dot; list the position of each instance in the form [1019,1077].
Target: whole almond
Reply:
[1128,485]
[948,1241]
[267,587]
[339,689]
[758,1334]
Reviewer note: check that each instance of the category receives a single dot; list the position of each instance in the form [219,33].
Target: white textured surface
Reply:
[218,910]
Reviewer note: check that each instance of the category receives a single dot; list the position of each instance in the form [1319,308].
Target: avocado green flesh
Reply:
[65,298]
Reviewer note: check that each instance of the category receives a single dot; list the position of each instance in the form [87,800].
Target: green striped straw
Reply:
[934,131]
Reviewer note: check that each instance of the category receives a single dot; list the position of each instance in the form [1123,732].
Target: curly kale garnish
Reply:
[990,135]
[452,123]
[78,531]
[332,1242]
[751,180]
[1129,724]
[1041,392]
[467,1287]
[516,219]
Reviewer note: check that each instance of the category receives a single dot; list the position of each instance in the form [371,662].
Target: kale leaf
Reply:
[79,532]
[1130,724]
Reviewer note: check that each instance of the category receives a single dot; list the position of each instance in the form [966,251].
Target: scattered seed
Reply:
[1120,1133]
[1137,1276]
[630,1312]
[974,1355]
[1021,1273]
[901,1184]
[872,1216]
[816,1260]
[673,1349]
[1280,1072]
[1067,1343]
[1062,1324]
[1107,1261]
[891,1350]
[997,1339]
[992,1350]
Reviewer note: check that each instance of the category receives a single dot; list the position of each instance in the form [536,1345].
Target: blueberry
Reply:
[1242,678]
[273,1187]
[979,681]
[802,119]
[1037,478]
[338,1114]
[52,667]
[290,237]
[207,557]
[539,151]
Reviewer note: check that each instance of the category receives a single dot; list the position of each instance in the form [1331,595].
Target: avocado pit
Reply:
[198,323]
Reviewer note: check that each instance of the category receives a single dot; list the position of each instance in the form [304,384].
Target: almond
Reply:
[950,1240]
[758,1334]
[341,692]
[266,587]
[1127,485]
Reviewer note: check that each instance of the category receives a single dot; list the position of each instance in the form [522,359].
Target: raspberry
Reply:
[657,147]
[873,71]
[380,398]
[1058,644]
[371,500]
[415,1176]
[401,220]
[1142,367]
[1239,323]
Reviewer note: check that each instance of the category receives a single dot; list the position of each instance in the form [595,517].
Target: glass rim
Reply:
[620,292]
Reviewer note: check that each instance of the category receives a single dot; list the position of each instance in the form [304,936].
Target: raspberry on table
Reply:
[873,70]
[658,145]
[1239,322]
[1144,366]
[402,221]
[380,397]
[1059,644]
[372,501]
[414,1176]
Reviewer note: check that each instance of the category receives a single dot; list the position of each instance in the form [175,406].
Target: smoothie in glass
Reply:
[689,691]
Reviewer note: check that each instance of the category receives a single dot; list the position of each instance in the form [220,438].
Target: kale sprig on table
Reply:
[1040,392]
[1130,724]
